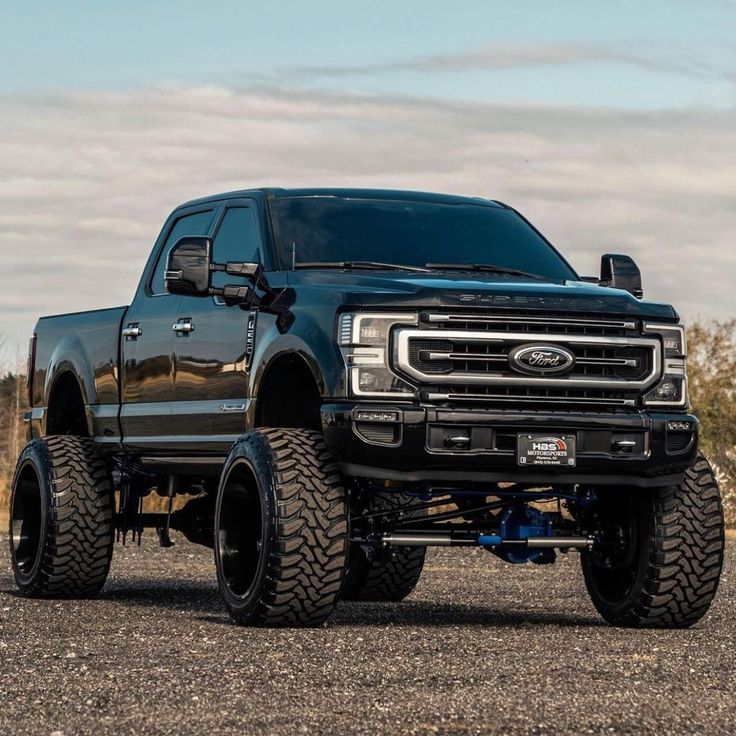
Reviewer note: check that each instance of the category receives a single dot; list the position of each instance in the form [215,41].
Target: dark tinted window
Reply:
[414,233]
[196,224]
[236,240]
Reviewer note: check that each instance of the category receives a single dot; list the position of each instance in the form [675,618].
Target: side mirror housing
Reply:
[188,266]
[621,272]
[189,272]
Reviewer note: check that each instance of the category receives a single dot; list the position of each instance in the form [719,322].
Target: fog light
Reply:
[376,416]
[676,425]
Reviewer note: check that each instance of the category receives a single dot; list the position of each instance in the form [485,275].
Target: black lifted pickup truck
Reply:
[324,383]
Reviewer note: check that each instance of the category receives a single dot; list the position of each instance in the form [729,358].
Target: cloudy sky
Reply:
[612,126]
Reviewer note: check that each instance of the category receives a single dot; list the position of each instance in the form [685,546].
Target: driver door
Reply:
[147,347]
[213,344]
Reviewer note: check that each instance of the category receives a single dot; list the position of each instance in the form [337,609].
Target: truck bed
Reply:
[88,345]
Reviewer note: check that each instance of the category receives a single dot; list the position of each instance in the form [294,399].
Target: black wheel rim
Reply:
[26,521]
[240,531]
[616,564]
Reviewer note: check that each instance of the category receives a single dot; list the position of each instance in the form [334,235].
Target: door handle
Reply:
[183,327]
[132,332]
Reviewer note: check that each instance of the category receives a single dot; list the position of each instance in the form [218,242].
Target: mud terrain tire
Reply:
[670,576]
[61,519]
[281,529]
[388,575]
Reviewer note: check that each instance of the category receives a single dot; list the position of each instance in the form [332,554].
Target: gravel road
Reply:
[480,647]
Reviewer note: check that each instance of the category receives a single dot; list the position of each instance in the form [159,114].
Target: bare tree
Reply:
[712,378]
[12,431]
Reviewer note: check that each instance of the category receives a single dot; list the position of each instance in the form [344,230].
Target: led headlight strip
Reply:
[671,391]
[364,339]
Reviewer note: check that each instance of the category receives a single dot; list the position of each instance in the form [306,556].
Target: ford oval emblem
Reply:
[541,360]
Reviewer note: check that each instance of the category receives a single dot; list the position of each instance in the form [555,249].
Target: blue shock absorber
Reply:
[489,540]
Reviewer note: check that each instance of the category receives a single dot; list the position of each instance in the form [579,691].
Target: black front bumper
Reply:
[421,444]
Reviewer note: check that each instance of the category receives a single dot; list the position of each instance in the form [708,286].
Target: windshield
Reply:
[330,229]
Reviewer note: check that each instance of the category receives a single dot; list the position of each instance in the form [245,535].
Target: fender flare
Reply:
[70,358]
[311,343]
[288,347]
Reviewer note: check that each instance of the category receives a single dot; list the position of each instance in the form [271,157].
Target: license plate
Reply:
[546,449]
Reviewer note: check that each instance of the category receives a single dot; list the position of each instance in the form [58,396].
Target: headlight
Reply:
[672,388]
[364,340]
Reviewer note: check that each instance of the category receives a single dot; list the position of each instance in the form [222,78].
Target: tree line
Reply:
[711,370]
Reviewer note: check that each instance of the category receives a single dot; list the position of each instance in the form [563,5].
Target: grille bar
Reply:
[466,356]
[524,398]
[617,324]
[628,362]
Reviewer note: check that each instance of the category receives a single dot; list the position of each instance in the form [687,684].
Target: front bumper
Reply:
[413,443]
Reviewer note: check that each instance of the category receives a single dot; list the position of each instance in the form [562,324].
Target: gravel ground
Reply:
[480,647]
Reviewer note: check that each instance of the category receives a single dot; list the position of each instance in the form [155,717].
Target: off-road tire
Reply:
[384,575]
[281,529]
[61,519]
[676,563]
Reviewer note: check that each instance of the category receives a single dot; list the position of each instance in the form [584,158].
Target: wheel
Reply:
[384,575]
[61,519]
[281,529]
[660,556]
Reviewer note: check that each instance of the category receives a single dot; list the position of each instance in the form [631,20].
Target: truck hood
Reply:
[425,290]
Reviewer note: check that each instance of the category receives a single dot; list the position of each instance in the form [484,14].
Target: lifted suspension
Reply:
[500,520]
[195,519]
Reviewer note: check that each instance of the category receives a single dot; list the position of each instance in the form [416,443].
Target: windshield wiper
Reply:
[376,265]
[486,267]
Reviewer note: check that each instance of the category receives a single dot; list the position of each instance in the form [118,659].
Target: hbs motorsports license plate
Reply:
[545,449]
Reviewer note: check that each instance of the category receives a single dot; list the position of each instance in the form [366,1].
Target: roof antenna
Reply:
[293,255]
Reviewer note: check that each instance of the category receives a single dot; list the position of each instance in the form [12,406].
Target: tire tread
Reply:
[77,550]
[685,555]
[306,564]
[393,575]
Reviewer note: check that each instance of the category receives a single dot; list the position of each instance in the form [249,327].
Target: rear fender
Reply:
[70,356]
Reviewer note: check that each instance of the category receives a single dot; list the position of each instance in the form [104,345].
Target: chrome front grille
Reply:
[461,357]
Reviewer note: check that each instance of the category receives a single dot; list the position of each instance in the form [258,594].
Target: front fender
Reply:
[308,339]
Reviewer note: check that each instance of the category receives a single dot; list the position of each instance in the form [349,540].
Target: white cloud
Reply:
[86,180]
[668,59]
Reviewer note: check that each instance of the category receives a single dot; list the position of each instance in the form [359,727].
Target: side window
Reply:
[196,224]
[237,239]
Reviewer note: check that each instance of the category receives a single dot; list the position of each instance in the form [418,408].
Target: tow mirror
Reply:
[189,269]
[621,272]
[188,266]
